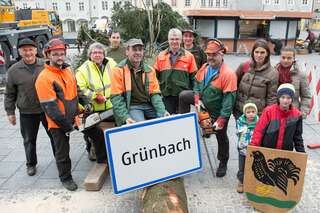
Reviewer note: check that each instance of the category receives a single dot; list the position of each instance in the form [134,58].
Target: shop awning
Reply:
[248,14]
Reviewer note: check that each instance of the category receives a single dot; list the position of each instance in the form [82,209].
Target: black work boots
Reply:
[70,185]
[222,169]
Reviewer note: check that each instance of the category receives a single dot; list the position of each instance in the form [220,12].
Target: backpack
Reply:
[245,68]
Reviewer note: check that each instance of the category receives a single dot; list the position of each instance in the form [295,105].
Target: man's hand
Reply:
[219,124]
[304,115]
[130,121]
[74,127]
[12,119]
[166,114]
[88,108]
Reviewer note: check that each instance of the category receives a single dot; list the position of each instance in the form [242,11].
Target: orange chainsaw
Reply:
[204,119]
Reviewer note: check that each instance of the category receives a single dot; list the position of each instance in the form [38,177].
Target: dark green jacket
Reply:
[219,94]
[199,55]
[176,77]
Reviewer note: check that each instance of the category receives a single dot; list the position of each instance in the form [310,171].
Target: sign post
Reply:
[149,152]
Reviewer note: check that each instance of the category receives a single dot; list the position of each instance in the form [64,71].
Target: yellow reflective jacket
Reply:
[92,82]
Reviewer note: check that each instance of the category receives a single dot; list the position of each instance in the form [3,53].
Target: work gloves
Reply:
[219,123]
[100,99]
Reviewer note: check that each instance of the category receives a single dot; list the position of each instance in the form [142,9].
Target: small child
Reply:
[245,126]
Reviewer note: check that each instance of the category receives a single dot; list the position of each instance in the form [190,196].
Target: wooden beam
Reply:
[95,179]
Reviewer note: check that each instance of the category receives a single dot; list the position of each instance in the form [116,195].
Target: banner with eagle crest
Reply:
[273,178]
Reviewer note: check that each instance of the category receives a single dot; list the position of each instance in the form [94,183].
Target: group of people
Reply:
[183,75]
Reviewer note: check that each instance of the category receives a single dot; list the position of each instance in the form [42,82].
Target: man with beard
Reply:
[57,91]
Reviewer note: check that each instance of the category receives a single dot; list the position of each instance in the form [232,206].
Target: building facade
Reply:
[239,23]
[73,13]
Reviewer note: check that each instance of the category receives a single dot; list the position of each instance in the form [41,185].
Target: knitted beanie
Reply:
[287,89]
[247,105]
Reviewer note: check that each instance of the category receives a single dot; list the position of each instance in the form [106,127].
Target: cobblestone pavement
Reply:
[43,193]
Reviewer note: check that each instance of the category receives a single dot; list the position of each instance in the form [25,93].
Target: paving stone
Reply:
[2,180]
[9,168]
[15,156]
[5,152]
[84,164]
[51,171]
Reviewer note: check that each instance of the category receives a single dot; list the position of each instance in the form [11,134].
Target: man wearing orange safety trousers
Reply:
[57,91]
[176,68]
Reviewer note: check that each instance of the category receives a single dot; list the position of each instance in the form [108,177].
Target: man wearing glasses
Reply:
[57,92]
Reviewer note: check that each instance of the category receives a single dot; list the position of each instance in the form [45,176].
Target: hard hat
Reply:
[54,44]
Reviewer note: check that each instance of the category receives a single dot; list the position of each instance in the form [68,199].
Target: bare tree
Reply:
[154,25]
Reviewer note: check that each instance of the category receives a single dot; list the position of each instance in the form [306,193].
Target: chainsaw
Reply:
[94,118]
[205,121]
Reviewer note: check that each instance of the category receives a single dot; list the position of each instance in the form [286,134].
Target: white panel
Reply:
[226,28]
[292,29]
[205,27]
[278,29]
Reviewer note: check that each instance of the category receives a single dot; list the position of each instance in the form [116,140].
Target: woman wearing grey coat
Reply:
[257,80]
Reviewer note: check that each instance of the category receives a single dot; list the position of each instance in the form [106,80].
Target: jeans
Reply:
[142,112]
[29,127]
[242,161]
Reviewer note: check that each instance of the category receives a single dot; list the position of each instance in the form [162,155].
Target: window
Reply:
[225,3]
[173,3]
[210,4]
[266,1]
[304,2]
[68,6]
[25,5]
[104,5]
[55,6]
[217,3]
[81,6]
[253,29]
[276,1]
[203,3]
[290,2]
[71,26]
[187,3]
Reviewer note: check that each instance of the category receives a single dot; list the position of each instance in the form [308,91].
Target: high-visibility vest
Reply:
[92,82]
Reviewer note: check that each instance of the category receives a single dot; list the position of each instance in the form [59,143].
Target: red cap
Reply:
[55,44]
[215,46]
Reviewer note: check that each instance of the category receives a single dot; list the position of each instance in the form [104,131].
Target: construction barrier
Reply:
[313,73]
